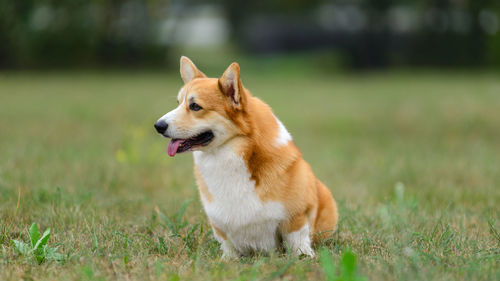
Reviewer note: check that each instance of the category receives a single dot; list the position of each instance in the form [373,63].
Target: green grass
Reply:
[413,160]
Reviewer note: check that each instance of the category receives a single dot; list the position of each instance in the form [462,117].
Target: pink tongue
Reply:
[172,147]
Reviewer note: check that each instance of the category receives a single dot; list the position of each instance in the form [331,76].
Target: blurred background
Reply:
[334,34]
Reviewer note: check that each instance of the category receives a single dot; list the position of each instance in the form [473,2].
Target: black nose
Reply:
[161,126]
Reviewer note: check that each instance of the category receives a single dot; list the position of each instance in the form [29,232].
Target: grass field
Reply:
[413,160]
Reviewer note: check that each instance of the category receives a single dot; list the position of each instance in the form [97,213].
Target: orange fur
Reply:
[219,232]
[279,172]
[202,186]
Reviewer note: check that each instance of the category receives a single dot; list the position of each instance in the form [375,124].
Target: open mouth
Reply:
[181,145]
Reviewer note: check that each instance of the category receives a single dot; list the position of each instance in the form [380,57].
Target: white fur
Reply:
[228,251]
[283,135]
[179,94]
[171,116]
[236,209]
[299,241]
[172,129]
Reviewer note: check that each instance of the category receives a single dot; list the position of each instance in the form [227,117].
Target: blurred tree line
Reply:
[376,33]
[368,33]
[61,33]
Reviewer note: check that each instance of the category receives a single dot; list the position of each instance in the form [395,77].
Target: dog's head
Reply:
[210,110]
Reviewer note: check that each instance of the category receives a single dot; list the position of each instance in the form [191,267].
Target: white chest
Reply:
[236,208]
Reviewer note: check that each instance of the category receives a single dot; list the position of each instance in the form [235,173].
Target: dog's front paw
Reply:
[228,251]
[229,256]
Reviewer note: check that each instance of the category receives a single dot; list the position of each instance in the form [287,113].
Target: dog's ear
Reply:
[189,70]
[230,85]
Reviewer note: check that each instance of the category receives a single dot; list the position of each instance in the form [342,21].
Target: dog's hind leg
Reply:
[295,233]
[325,223]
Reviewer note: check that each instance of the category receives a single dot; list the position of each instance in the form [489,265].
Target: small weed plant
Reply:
[348,266]
[38,247]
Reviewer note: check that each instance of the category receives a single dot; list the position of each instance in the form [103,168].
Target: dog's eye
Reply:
[195,107]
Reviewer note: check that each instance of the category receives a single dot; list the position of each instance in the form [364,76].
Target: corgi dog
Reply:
[257,191]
